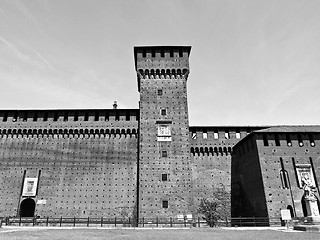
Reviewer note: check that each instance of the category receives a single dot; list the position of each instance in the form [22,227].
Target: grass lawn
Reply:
[154,234]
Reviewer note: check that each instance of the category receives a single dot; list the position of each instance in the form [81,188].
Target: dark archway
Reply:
[290,208]
[304,207]
[27,207]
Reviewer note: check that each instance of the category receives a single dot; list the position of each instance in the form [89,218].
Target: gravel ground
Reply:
[34,233]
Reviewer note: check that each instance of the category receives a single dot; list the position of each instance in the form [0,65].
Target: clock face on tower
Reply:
[164,133]
[164,130]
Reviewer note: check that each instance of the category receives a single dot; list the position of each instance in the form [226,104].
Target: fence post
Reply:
[198,221]
[47,221]
[143,222]
[240,223]
[115,221]
[254,221]
[170,221]
[157,222]
[88,222]
[33,221]
[129,222]
[184,221]
[101,221]
[60,221]
[7,221]
[74,221]
[227,222]
[20,220]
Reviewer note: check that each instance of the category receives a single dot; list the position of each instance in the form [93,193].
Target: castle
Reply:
[149,162]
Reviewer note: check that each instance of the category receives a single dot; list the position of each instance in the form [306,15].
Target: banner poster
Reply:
[30,187]
[304,173]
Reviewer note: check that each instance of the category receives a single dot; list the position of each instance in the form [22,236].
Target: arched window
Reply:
[192,151]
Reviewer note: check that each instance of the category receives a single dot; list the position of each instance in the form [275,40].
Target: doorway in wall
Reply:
[27,207]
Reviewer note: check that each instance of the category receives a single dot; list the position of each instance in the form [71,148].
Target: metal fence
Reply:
[144,222]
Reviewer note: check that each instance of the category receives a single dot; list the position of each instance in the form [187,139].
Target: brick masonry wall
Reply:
[268,156]
[91,170]
[278,197]
[211,149]
[177,189]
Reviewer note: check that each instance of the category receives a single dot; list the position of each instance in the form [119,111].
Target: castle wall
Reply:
[85,168]
[211,149]
[278,195]
[247,187]
[278,158]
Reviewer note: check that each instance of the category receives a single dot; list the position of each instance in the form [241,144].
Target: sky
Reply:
[252,63]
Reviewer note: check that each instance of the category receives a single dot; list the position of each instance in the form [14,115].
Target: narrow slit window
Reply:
[35,116]
[117,116]
[65,118]
[276,139]
[284,176]
[5,117]
[265,140]
[25,116]
[289,143]
[127,116]
[15,117]
[55,118]
[96,116]
[160,92]
[162,53]
[300,140]
[76,116]
[106,117]
[311,139]
[45,118]
[163,112]
[86,116]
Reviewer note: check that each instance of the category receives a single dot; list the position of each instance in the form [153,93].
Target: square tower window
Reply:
[205,135]
[164,153]
[164,177]
[226,134]
[159,92]
[215,134]
[165,204]
[163,112]
[238,136]
[194,135]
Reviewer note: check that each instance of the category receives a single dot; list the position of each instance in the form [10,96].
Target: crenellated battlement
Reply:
[65,115]
[69,133]
[162,62]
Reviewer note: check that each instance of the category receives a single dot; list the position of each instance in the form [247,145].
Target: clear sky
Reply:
[253,62]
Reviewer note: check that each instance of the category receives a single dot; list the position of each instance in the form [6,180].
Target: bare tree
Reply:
[216,208]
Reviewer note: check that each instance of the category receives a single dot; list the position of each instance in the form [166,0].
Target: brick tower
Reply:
[164,173]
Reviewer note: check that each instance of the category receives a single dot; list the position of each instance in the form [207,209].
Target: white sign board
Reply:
[41,201]
[285,214]
[30,187]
